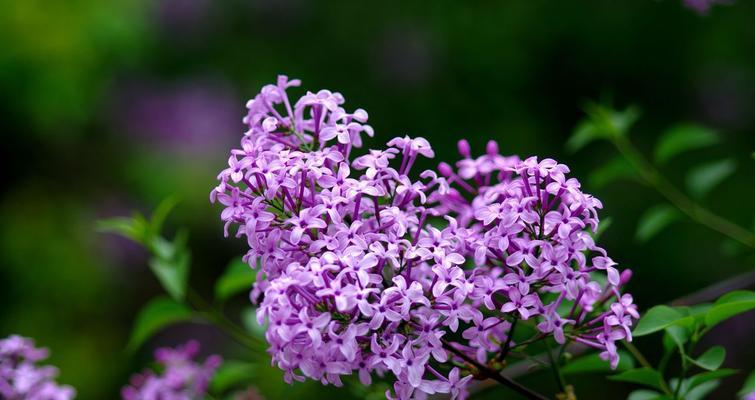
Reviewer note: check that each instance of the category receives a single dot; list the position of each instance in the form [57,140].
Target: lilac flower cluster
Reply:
[22,379]
[182,377]
[355,276]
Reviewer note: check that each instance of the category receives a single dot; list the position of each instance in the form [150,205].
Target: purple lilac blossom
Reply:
[365,270]
[22,379]
[702,7]
[182,378]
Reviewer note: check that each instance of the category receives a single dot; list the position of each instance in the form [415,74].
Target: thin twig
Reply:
[695,211]
[507,345]
[488,372]
[211,314]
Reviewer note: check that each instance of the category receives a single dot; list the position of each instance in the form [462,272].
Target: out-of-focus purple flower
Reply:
[177,18]
[723,98]
[703,6]
[356,280]
[21,378]
[196,116]
[183,378]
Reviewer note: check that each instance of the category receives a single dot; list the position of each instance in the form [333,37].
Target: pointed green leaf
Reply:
[654,220]
[701,391]
[592,363]
[133,228]
[711,359]
[656,319]
[707,376]
[730,305]
[238,277]
[643,376]
[232,374]
[622,121]
[616,169]
[171,263]
[678,336]
[585,133]
[643,394]
[681,138]
[601,123]
[648,395]
[704,178]
[748,387]
[160,214]
[156,315]
[172,268]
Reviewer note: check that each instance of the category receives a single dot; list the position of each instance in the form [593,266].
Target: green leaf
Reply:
[730,305]
[238,277]
[704,178]
[711,359]
[643,394]
[616,169]
[133,228]
[232,374]
[601,123]
[701,391]
[654,220]
[585,133]
[157,314]
[643,376]
[678,336]
[657,318]
[703,377]
[592,363]
[171,264]
[160,214]
[749,386]
[681,138]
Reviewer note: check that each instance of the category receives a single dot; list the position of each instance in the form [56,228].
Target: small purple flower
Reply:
[524,305]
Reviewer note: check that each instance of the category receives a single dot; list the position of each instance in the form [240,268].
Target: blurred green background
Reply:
[111,106]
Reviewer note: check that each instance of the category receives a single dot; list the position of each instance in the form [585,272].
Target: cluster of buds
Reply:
[365,270]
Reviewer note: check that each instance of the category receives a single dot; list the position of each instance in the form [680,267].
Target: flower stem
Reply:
[211,314]
[560,381]
[507,345]
[695,211]
[644,362]
[488,372]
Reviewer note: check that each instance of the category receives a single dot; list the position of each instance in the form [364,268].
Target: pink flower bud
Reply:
[464,148]
[445,169]
[626,275]
[492,148]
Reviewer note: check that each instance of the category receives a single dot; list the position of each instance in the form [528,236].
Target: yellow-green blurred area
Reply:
[111,106]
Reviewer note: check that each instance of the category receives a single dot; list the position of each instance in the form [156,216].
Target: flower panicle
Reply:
[22,378]
[182,376]
[365,270]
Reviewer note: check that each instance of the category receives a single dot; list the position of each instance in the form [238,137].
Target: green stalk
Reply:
[211,314]
[686,205]
[560,381]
